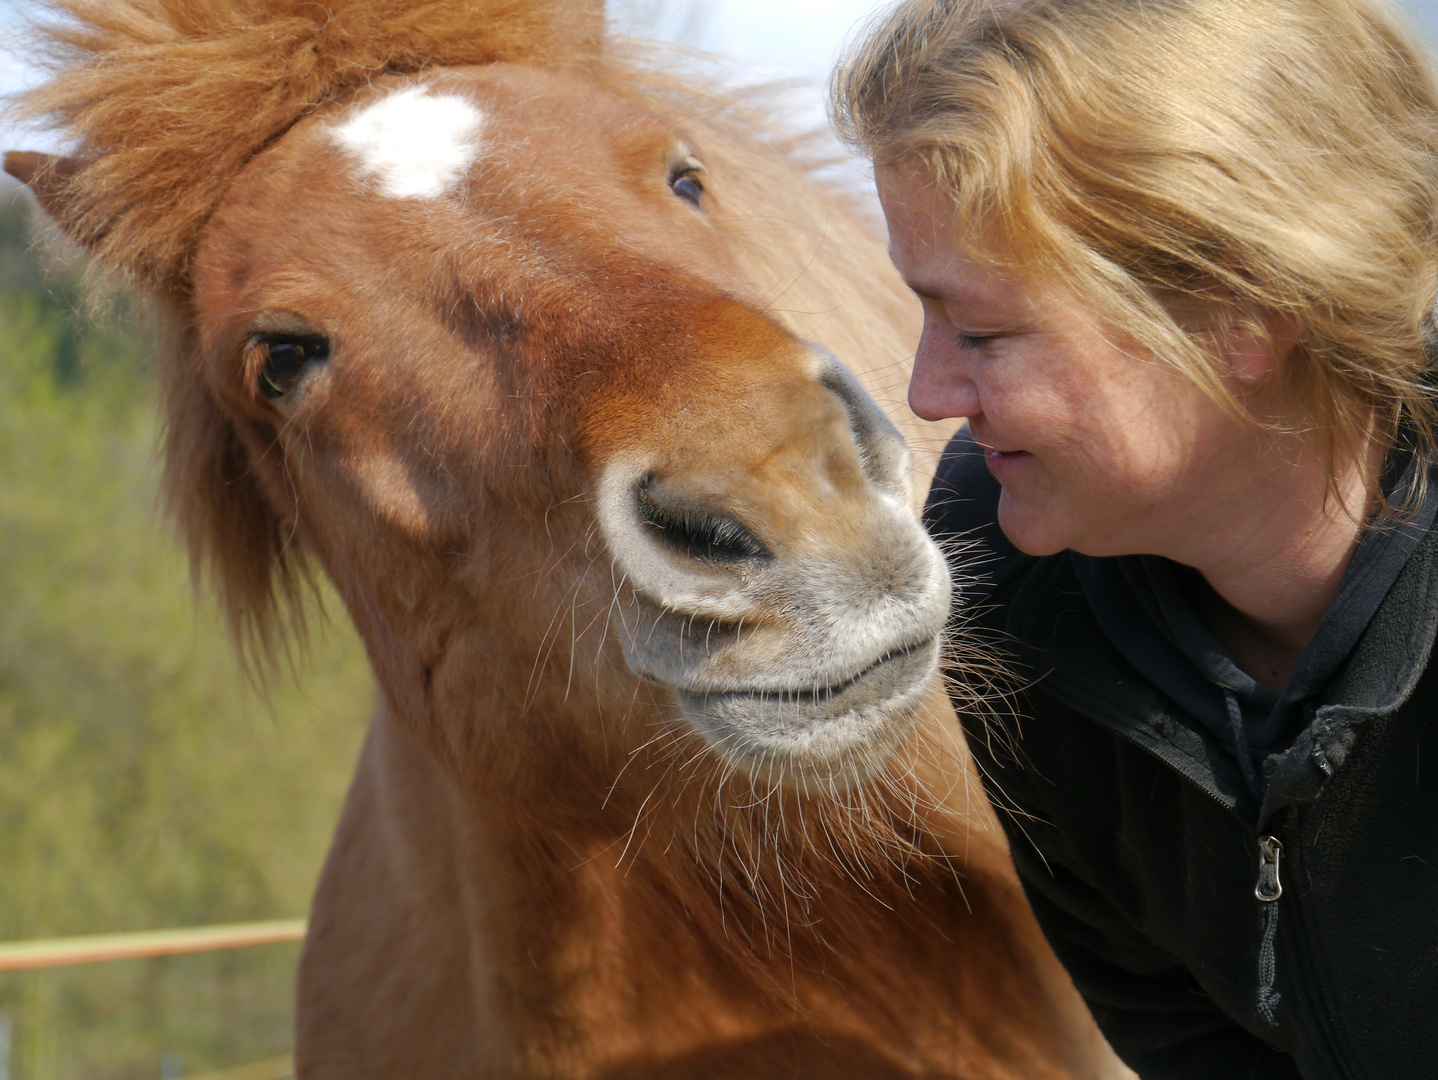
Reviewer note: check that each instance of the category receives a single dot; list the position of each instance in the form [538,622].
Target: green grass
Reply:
[142,783]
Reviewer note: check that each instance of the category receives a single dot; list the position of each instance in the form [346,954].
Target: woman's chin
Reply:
[1029,528]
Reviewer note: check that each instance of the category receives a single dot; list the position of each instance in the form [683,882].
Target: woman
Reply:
[1176,259]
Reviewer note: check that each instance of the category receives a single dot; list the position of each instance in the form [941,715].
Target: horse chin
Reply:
[824,740]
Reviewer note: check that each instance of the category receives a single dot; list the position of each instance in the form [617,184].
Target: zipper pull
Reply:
[1269,888]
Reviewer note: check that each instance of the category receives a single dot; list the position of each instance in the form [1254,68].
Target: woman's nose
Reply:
[942,384]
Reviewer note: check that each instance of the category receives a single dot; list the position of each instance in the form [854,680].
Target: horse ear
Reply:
[47,175]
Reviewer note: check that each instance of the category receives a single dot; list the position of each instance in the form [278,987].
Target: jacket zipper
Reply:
[1270,852]
[1268,889]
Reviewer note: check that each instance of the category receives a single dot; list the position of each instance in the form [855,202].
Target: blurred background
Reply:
[143,784]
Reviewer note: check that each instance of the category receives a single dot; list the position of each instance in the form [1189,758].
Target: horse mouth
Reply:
[835,735]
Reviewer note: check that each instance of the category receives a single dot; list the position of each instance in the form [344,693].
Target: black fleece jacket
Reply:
[1144,852]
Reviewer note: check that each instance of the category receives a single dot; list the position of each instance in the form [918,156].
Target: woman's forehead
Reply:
[915,199]
[938,257]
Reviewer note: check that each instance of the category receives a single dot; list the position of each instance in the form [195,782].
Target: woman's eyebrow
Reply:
[949,295]
[925,291]
[920,289]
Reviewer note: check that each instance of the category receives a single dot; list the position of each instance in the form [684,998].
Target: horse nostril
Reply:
[882,449]
[694,530]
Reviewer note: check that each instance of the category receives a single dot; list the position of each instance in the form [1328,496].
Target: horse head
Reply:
[510,380]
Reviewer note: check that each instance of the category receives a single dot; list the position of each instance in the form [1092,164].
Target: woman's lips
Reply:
[1005,462]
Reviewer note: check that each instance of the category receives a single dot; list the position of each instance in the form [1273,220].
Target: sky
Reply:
[794,37]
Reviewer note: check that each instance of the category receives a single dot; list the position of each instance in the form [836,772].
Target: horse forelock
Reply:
[164,101]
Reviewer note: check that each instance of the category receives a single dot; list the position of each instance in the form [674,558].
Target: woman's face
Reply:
[1098,449]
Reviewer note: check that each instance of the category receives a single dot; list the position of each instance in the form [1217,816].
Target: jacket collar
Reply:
[1072,661]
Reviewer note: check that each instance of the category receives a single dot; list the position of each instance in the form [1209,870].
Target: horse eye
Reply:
[286,358]
[688,187]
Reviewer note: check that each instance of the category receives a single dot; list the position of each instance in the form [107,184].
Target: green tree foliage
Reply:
[142,783]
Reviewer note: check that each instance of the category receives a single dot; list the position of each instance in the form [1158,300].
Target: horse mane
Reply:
[164,101]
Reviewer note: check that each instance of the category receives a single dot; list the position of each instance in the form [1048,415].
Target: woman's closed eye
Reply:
[974,341]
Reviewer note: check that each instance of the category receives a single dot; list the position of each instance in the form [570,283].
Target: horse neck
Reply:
[547,935]
[758,880]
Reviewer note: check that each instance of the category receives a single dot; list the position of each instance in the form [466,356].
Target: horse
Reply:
[563,370]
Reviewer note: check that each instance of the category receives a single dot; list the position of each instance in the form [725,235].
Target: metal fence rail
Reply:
[92,948]
[280,1068]
[57,952]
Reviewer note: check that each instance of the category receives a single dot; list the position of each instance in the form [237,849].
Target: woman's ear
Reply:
[1253,356]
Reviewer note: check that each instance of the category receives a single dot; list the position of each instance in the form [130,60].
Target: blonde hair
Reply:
[1267,157]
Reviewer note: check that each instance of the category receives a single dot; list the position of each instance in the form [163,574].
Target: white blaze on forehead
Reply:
[414,144]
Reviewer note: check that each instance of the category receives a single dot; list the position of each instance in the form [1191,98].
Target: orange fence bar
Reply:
[281,1068]
[56,952]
